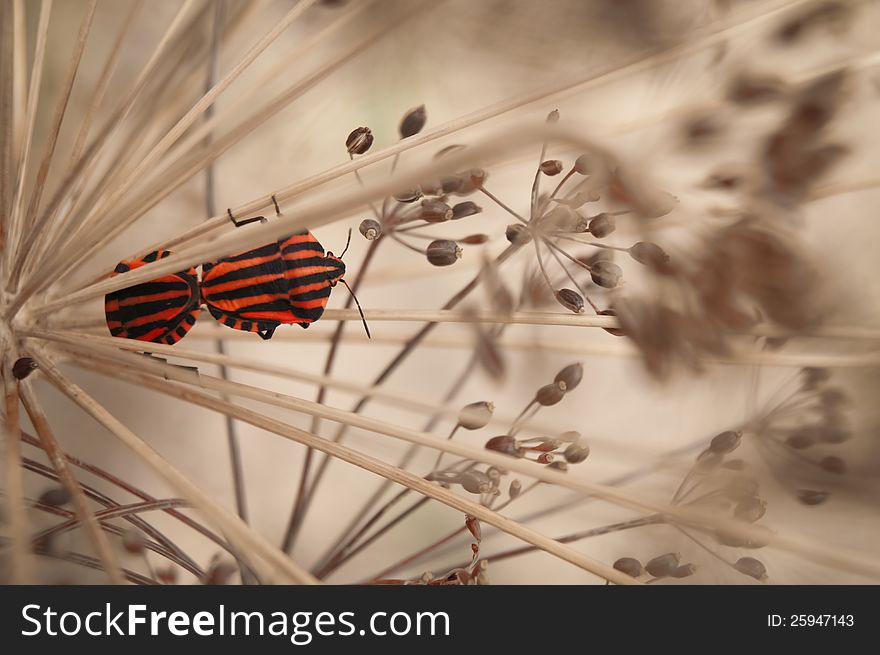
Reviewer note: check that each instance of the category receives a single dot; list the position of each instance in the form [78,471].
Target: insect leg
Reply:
[246,221]
[267,333]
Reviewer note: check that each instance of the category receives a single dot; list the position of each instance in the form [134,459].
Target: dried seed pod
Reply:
[473,526]
[465,209]
[370,229]
[663,565]
[684,571]
[443,252]
[601,225]
[803,437]
[504,444]
[134,541]
[749,89]
[515,489]
[833,464]
[551,167]
[725,442]
[518,234]
[812,496]
[569,377]
[584,164]
[434,211]
[650,255]
[629,565]
[730,539]
[359,141]
[576,453]
[606,274]
[55,497]
[475,415]
[548,395]
[474,239]
[408,195]
[413,122]
[472,180]
[570,299]
[750,509]
[617,332]
[23,367]
[751,567]
[475,482]
[545,458]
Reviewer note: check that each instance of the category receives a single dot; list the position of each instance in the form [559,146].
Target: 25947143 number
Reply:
[811,620]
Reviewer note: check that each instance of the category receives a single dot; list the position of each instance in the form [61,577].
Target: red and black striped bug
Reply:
[161,310]
[284,282]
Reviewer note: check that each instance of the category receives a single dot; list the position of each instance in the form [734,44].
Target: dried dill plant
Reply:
[526,215]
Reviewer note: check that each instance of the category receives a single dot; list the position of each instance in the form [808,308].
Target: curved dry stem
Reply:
[244,539]
[84,512]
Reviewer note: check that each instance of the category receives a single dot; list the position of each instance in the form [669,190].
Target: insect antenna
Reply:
[361,311]
[345,250]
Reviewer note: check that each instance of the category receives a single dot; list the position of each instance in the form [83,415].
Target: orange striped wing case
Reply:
[161,310]
[284,282]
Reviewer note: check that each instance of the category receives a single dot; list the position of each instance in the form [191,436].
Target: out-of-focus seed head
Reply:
[734,465]
[23,367]
[814,377]
[134,541]
[833,435]
[576,453]
[749,89]
[559,465]
[812,496]
[684,571]
[571,300]
[476,415]
[553,116]
[833,397]
[601,225]
[504,444]
[551,167]
[451,184]
[517,233]
[359,141]
[443,252]
[413,122]
[650,255]
[465,209]
[219,573]
[548,395]
[370,228]
[474,239]
[55,497]
[725,442]
[515,489]
[833,464]
[750,509]
[741,486]
[629,565]
[617,332]
[570,436]
[408,195]
[570,377]
[751,567]
[663,565]
[708,460]
[435,211]
[803,437]
[167,574]
[606,274]
[584,164]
